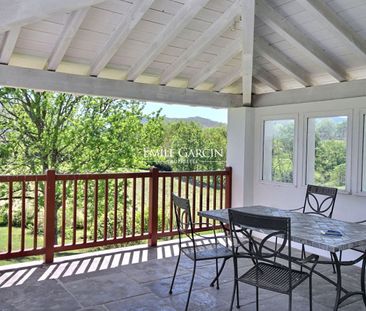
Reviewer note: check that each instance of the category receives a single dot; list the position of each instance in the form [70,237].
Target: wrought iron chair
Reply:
[266,272]
[195,252]
[319,201]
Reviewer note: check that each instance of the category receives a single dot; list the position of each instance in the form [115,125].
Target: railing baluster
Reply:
[142,205]
[63,216]
[35,227]
[96,210]
[187,186]
[106,209]
[179,185]
[208,197]
[133,206]
[163,206]
[221,190]
[115,208]
[23,222]
[10,217]
[194,198]
[201,198]
[171,203]
[74,218]
[125,208]
[85,211]
[214,196]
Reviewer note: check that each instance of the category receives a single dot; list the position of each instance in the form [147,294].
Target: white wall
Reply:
[240,154]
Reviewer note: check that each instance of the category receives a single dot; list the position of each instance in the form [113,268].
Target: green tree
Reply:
[42,130]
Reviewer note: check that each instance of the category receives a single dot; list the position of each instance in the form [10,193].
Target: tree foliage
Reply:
[42,130]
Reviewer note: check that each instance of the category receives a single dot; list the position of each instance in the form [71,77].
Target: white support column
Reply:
[247,15]
[240,154]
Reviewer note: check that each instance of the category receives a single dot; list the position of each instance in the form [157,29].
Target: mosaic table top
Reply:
[306,229]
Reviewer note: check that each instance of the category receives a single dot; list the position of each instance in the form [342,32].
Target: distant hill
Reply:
[202,121]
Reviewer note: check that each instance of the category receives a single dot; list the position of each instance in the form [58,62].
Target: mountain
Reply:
[202,121]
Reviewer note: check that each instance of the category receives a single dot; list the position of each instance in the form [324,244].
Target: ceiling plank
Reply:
[68,33]
[214,31]
[267,78]
[70,83]
[22,12]
[223,57]
[335,23]
[172,29]
[118,37]
[247,19]
[9,42]
[281,61]
[298,39]
[228,79]
[345,91]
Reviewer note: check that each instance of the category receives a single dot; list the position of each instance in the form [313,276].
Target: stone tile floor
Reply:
[138,279]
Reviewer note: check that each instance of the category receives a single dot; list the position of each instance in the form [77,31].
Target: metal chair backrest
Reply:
[183,217]
[242,224]
[320,200]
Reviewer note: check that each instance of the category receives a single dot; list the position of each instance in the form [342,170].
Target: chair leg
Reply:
[290,301]
[217,274]
[233,296]
[237,295]
[276,243]
[303,254]
[190,287]
[220,271]
[175,273]
[257,298]
[310,294]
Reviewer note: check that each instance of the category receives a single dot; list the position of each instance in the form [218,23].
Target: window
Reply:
[363,182]
[327,151]
[278,150]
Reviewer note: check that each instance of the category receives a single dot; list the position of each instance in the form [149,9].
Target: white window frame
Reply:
[278,117]
[325,114]
[359,163]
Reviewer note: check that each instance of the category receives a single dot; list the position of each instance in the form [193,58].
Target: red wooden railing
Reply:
[58,212]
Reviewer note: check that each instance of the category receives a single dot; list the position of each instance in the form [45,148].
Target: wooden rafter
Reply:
[298,39]
[118,37]
[8,46]
[172,29]
[215,30]
[66,36]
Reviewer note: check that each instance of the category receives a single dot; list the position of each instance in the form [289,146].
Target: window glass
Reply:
[278,150]
[327,151]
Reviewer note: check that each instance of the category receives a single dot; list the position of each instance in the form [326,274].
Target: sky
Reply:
[184,111]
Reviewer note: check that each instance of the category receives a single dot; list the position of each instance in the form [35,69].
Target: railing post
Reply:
[49,215]
[153,206]
[228,181]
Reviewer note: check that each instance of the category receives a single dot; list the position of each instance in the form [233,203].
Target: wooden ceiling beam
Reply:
[223,57]
[281,61]
[22,12]
[214,31]
[335,23]
[161,41]
[118,37]
[298,39]
[68,33]
[9,42]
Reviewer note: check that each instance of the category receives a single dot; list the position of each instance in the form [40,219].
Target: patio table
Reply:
[307,229]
